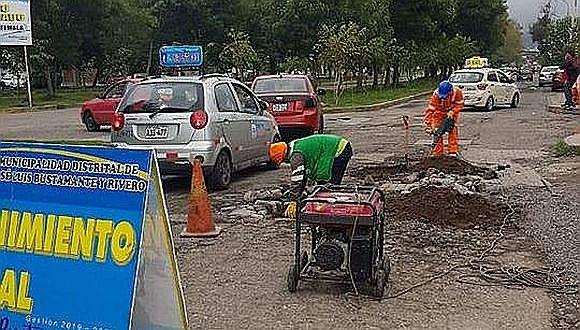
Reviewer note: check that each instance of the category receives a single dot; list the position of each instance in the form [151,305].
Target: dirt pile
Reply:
[446,206]
[397,168]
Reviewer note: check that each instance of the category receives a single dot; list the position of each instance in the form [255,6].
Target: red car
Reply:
[99,111]
[294,103]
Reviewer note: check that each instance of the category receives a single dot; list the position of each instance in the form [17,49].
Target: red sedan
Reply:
[99,111]
[293,102]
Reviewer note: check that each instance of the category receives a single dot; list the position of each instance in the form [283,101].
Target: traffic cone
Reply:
[199,216]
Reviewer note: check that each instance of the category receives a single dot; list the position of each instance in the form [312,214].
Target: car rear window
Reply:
[280,85]
[163,97]
[466,77]
[550,69]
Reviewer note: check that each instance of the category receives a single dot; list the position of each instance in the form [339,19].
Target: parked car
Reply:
[99,111]
[486,88]
[558,80]
[293,101]
[214,118]
[547,74]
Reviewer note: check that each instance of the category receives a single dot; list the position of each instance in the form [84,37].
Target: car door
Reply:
[232,125]
[506,86]
[250,109]
[105,109]
[494,86]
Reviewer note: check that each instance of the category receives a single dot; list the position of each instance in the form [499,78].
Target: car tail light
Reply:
[198,119]
[118,121]
[482,87]
[310,103]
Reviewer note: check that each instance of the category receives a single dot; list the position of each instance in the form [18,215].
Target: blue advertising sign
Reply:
[71,223]
[180,56]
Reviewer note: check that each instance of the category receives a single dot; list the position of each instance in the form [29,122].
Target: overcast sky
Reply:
[526,11]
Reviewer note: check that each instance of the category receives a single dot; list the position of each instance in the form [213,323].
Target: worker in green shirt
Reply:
[321,158]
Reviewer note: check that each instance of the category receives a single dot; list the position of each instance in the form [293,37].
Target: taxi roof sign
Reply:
[180,56]
[476,62]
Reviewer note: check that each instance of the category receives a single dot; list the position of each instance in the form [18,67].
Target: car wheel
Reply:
[90,122]
[490,104]
[270,165]
[321,125]
[221,173]
[515,100]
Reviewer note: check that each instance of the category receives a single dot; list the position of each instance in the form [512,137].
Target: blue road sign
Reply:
[71,220]
[180,56]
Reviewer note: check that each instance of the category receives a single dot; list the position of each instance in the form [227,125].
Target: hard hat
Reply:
[444,89]
[277,152]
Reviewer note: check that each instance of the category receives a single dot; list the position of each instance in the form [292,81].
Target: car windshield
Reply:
[550,69]
[280,85]
[466,77]
[163,97]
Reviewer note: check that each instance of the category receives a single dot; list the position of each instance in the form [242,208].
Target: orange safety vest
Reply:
[438,109]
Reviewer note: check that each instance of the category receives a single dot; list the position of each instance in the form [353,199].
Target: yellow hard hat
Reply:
[278,152]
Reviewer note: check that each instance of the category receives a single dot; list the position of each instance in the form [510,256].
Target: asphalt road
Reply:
[239,279]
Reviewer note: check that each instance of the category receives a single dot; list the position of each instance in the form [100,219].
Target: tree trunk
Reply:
[49,84]
[97,76]
[375,76]
[338,87]
[359,78]
[396,74]
[150,58]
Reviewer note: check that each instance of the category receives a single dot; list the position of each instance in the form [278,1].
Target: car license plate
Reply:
[280,107]
[156,132]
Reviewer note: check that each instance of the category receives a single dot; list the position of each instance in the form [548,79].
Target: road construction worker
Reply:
[320,158]
[446,101]
[571,69]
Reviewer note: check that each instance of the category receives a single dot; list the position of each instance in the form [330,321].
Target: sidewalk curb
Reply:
[41,108]
[376,106]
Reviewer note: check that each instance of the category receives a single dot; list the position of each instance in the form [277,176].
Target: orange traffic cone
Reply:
[199,216]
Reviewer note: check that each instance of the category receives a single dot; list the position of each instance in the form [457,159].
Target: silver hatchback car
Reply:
[211,117]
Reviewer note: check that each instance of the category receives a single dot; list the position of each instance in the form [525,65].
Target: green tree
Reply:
[341,47]
[239,53]
[559,36]
[511,50]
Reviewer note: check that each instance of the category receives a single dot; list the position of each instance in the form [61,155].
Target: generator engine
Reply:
[332,252]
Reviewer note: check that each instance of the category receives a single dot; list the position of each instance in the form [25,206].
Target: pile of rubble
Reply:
[462,184]
[443,190]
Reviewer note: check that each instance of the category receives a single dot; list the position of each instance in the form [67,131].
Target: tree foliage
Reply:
[559,36]
[359,38]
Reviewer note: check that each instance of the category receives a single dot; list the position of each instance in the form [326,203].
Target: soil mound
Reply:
[448,165]
[447,207]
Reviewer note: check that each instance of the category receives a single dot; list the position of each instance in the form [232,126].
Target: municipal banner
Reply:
[15,23]
[73,222]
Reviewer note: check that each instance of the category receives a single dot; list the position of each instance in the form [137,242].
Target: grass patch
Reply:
[368,96]
[64,97]
[561,149]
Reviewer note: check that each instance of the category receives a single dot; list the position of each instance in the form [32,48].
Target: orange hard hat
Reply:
[278,152]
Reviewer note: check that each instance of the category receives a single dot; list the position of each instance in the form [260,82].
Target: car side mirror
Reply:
[321,92]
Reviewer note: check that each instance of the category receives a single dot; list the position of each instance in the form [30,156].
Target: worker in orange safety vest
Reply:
[446,101]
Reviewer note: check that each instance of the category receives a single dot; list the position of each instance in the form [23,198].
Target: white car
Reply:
[547,74]
[486,88]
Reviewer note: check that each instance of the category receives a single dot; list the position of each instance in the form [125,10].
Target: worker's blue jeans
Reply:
[568,93]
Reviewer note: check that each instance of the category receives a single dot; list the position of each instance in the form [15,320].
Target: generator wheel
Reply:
[386,267]
[303,260]
[292,278]
[379,285]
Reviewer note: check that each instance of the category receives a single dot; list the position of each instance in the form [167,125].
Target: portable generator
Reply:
[346,225]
